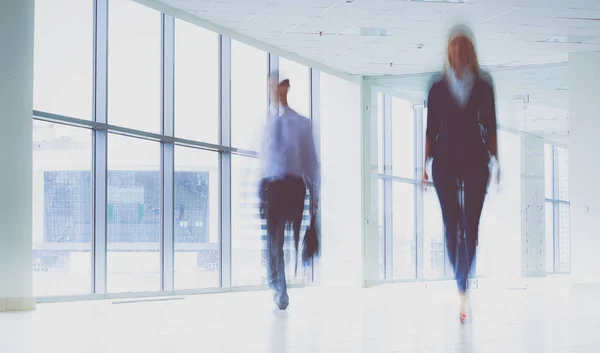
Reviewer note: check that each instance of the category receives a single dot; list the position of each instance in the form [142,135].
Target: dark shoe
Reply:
[282,300]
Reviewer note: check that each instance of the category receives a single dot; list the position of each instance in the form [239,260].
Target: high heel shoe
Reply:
[463,318]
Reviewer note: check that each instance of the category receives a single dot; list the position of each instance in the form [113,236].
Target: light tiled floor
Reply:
[398,318]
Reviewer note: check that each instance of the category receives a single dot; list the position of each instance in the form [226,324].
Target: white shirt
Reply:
[288,148]
[461,88]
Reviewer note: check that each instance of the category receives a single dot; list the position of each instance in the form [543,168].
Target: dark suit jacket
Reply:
[461,135]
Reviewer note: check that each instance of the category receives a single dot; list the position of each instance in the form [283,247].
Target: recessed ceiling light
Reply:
[443,1]
[578,18]
[568,39]
[366,31]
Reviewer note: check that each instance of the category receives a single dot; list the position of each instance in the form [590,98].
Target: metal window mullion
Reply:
[387,188]
[556,235]
[419,217]
[315,116]
[398,178]
[225,233]
[100,147]
[388,229]
[272,66]
[315,108]
[556,196]
[555,174]
[167,239]
[555,209]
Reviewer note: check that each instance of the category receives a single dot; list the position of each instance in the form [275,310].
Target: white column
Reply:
[16,105]
[584,88]
[341,262]
[370,186]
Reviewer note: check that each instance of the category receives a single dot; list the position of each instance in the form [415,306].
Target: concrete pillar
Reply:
[341,262]
[16,104]
[584,106]
[370,184]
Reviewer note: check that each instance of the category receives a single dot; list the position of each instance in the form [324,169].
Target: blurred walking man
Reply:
[288,167]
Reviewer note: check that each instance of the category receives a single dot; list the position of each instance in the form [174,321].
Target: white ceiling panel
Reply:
[224,16]
[297,9]
[508,2]
[324,3]
[509,33]
[581,13]
[227,7]
[190,5]
[573,4]
[527,14]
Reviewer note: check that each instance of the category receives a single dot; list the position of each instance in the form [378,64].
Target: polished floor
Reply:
[554,318]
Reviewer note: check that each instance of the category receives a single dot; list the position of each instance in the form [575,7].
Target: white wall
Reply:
[341,191]
[584,87]
[500,230]
[16,105]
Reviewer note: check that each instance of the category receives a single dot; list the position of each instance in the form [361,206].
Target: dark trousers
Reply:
[461,210]
[284,205]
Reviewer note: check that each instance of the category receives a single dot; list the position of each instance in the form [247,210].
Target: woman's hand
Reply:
[424,180]
[498,174]
[495,173]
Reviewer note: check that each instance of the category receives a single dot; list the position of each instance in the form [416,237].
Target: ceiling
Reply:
[520,41]
[509,32]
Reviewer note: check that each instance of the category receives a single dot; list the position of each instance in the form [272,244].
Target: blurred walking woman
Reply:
[461,139]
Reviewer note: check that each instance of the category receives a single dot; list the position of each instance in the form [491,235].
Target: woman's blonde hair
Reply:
[464,32]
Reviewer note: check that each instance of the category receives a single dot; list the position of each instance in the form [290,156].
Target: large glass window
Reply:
[549,237]
[196,218]
[563,173]
[549,170]
[403,139]
[403,229]
[398,218]
[63,57]
[434,253]
[248,230]
[557,209]
[380,132]
[106,183]
[134,66]
[248,95]
[299,94]
[196,83]
[133,212]
[564,239]
[381,230]
[62,210]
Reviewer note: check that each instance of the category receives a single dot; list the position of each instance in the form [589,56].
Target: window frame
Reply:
[387,177]
[555,201]
[167,139]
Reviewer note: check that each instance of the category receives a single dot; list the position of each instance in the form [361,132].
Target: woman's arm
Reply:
[428,150]
[493,141]
[432,132]
[491,127]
